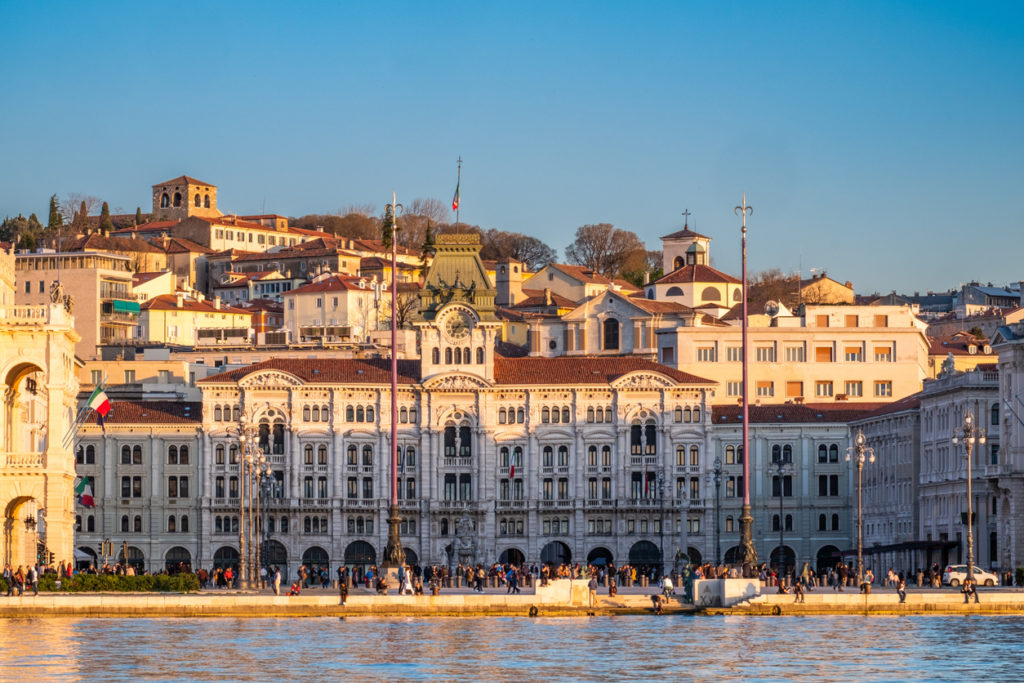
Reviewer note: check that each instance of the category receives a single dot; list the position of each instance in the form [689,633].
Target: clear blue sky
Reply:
[878,140]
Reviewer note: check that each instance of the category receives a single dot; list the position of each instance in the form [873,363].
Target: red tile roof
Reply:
[569,371]
[654,306]
[957,344]
[535,298]
[581,273]
[626,285]
[151,412]
[180,245]
[168,302]
[793,413]
[152,226]
[185,179]
[580,370]
[685,233]
[143,278]
[329,370]
[696,273]
[911,402]
[335,283]
[114,243]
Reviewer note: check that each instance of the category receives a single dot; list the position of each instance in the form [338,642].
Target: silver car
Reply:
[956,573]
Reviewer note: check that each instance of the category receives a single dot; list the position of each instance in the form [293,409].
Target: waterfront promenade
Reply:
[560,598]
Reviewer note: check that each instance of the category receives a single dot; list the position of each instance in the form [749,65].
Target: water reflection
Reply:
[602,648]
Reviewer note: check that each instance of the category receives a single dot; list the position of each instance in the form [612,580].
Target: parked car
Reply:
[956,573]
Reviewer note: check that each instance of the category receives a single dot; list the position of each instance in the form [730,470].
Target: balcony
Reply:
[519,505]
[22,460]
[316,502]
[600,504]
[359,503]
[22,316]
[458,462]
[556,504]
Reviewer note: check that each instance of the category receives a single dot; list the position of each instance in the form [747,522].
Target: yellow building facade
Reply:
[37,467]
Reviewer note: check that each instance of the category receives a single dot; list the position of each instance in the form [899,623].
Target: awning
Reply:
[122,306]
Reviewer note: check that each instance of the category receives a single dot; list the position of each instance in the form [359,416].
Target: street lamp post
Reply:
[860,454]
[661,518]
[968,434]
[262,472]
[749,552]
[715,477]
[250,461]
[394,554]
[781,469]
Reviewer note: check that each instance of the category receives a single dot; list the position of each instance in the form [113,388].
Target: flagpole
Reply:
[458,204]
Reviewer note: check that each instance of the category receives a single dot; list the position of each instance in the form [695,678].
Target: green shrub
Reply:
[92,583]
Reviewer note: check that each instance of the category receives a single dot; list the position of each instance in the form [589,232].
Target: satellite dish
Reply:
[771,308]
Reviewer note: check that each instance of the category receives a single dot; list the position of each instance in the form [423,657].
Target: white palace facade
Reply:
[569,459]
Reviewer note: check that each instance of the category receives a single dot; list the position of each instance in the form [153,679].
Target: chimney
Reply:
[547,296]
[216,302]
[179,300]
[647,278]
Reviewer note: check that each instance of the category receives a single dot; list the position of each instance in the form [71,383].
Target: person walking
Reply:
[343,585]
[277,580]
[798,591]
[33,579]
[592,586]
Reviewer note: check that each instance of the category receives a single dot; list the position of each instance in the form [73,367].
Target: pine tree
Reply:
[34,225]
[106,225]
[56,220]
[138,215]
[427,250]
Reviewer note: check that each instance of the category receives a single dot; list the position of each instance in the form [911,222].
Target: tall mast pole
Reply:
[458,203]
[746,518]
[394,555]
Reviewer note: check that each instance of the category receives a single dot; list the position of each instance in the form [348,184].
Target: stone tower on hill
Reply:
[183,197]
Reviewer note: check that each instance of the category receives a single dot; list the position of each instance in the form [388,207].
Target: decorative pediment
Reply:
[456,383]
[643,380]
[270,380]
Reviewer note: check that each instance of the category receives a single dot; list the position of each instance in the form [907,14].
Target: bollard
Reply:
[458,582]
[643,582]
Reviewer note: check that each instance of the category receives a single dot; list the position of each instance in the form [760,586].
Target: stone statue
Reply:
[949,365]
[464,547]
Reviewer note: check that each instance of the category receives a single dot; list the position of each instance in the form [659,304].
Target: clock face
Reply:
[458,324]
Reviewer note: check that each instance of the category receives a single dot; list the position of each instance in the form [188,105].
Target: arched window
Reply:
[367,455]
[350,415]
[449,441]
[448,356]
[677,414]
[677,263]
[775,522]
[458,356]
[787,453]
[789,522]
[565,415]
[219,451]
[165,201]
[90,455]
[835,522]
[124,524]
[651,446]
[503,457]
[325,414]
[465,442]
[711,294]
[563,456]
[636,439]
[479,355]
[776,453]
[172,525]
[307,454]
[687,415]
[548,457]
[833,453]
[995,414]
[137,525]
[592,458]
[694,456]
[436,356]
[183,455]
[360,414]
[545,415]
[206,201]
[183,526]
[321,455]
[680,456]
[236,413]
[137,455]
[172,455]
[822,526]
[217,414]
[611,334]
[674,291]
[351,455]
[369,413]
[730,455]
[177,199]
[198,201]
[607,414]
[822,453]
[520,415]
[305,413]
[590,414]
[403,415]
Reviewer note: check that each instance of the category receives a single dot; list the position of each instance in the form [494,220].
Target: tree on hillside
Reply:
[499,245]
[772,285]
[56,217]
[651,268]
[138,215]
[427,249]
[106,225]
[605,249]
[78,206]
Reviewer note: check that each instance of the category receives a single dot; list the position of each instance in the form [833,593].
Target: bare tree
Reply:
[773,285]
[433,209]
[71,205]
[533,253]
[605,249]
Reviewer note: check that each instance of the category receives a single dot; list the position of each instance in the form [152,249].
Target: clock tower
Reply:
[458,328]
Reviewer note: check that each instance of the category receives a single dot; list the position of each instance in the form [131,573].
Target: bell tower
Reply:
[458,328]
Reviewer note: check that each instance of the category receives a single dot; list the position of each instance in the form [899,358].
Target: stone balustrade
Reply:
[22,460]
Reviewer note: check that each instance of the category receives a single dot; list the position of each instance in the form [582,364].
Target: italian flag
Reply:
[84,491]
[455,199]
[99,402]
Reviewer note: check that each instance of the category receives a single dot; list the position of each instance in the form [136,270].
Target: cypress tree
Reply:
[56,220]
[106,225]
[138,215]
